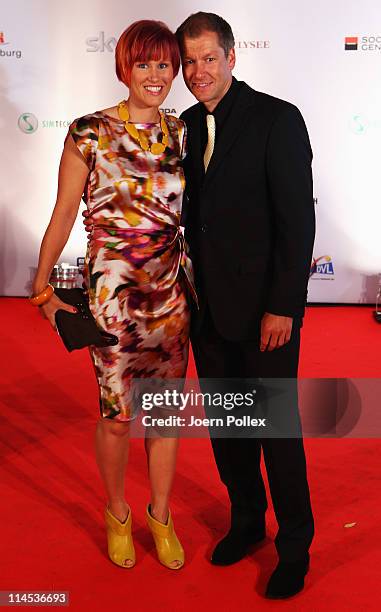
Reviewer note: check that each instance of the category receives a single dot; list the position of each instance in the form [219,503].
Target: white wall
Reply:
[293,49]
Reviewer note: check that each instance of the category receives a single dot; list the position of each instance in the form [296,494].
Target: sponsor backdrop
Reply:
[57,63]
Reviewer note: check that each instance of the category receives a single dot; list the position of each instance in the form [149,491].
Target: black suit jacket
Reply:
[249,222]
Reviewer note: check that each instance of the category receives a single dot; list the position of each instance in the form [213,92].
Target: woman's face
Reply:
[150,82]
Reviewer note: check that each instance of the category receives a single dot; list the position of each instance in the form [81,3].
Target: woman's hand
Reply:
[49,309]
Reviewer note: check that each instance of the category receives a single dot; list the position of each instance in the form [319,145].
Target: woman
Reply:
[126,161]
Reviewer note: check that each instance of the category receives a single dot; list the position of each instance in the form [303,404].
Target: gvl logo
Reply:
[322,267]
[100,43]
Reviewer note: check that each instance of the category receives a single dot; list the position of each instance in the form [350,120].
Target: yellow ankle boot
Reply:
[119,540]
[168,547]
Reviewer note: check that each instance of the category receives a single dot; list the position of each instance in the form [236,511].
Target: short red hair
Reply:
[144,41]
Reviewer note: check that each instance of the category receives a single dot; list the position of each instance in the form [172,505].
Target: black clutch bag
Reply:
[80,329]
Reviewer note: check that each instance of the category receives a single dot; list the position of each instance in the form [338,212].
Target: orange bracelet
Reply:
[43,297]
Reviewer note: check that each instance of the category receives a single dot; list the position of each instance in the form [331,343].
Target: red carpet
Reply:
[52,534]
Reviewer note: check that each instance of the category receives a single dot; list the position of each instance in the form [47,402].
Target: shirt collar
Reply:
[225,104]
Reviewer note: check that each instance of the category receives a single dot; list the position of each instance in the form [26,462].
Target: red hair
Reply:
[144,41]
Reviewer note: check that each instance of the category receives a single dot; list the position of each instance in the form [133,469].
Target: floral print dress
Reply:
[137,273]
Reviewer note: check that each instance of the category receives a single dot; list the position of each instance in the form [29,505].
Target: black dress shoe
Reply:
[287,579]
[235,546]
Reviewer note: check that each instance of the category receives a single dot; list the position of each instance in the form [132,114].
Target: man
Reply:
[250,228]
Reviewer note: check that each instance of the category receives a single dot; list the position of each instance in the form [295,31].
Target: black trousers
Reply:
[238,459]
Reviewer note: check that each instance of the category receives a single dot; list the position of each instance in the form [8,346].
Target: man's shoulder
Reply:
[265,100]
[247,96]
[191,113]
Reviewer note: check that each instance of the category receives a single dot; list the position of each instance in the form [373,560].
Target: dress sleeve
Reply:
[84,132]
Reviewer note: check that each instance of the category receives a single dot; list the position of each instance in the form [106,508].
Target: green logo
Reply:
[358,124]
[28,123]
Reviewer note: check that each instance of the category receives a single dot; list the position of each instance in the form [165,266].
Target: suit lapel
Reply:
[235,123]
[194,147]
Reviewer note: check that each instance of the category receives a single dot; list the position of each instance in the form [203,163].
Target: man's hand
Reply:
[275,331]
[88,223]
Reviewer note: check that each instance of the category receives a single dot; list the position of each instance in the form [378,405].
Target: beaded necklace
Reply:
[157,147]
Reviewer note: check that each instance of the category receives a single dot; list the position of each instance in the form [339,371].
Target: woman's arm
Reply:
[72,177]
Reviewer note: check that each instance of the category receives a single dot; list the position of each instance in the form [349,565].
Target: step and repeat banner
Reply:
[57,63]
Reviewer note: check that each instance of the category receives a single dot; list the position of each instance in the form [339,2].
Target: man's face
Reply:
[207,71]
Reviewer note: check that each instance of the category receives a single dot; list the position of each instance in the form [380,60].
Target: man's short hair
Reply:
[201,22]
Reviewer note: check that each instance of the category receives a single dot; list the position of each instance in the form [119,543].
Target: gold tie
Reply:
[211,125]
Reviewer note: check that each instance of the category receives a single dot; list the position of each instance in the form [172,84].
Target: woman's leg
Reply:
[161,458]
[111,448]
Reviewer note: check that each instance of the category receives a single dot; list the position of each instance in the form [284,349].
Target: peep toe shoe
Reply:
[119,540]
[167,544]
